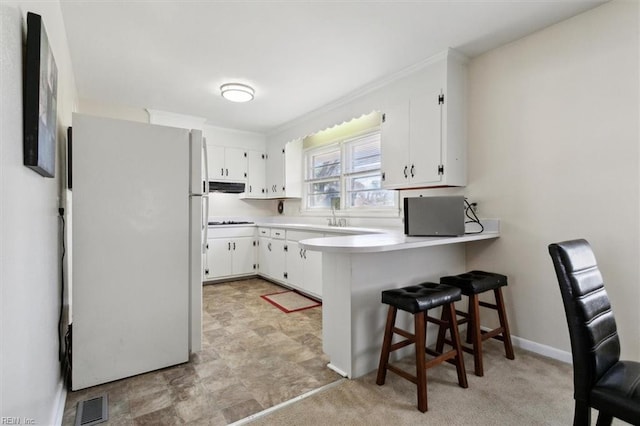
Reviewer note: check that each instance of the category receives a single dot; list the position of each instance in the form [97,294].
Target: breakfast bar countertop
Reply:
[357,268]
[391,241]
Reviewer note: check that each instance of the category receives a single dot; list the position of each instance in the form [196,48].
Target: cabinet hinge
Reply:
[440,99]
[440,169]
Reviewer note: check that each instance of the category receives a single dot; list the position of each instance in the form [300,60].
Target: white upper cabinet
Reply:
[424,137]
[227,164]
[256,186]
[275,171]
[284,171]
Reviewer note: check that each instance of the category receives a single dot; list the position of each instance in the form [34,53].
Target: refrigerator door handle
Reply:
[205,178]
[205,223]
[205,197]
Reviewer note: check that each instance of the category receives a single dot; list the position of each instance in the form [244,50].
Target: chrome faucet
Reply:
[333,221]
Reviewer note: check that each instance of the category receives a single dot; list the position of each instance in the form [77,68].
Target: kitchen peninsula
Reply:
[355,270]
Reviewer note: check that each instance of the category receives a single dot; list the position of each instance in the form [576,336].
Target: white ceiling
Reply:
[298,55]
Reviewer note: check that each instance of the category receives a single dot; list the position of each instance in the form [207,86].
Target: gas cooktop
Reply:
[231,222]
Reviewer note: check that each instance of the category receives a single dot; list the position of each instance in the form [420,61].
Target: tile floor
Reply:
[254,357]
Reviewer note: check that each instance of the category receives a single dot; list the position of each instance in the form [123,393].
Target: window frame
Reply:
[344,177]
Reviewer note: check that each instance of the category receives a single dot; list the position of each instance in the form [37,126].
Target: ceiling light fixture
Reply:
[236,92]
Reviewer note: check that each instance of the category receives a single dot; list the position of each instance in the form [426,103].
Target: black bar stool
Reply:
[472,284]
[417,300]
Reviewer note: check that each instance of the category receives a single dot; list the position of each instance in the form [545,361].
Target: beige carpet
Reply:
[290,301]
[530,390]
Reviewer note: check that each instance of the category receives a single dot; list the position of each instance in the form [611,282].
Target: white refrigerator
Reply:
[139,210]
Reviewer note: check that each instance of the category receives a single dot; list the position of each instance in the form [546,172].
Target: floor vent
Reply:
[92,411]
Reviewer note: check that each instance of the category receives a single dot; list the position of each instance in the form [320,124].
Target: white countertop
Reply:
[370,240]
[322,228]
[390,241]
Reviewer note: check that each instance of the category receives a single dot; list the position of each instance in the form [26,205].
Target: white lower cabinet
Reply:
[272,261]
[282,259]
[313,272]
[230,252]
[304,269]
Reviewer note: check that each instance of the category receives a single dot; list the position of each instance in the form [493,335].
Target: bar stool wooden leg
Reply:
[442,331]
[469,338]
[476,333]
[455,338]
[502,315]
[386,345]
[421,371]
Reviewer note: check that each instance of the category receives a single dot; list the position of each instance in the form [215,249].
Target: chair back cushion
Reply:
[595,345]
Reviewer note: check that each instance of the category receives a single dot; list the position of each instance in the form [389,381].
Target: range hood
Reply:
[226,187]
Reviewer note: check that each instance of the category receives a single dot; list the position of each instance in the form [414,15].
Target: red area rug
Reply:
[290,301]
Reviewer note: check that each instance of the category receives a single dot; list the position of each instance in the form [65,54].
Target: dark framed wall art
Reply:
[39,100]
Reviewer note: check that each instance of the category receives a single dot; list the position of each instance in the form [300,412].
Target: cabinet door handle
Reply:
[234,245]
[286,248]
[250,190]
[222,171]
[412,167]
[305,253]
[229,246]
[226,172]
[286,275]
[207,246]
[269,246]
[300,253]
[405,171]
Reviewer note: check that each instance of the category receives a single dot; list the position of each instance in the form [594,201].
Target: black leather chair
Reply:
[600,379]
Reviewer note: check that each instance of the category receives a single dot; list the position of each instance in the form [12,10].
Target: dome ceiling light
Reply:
[236,92]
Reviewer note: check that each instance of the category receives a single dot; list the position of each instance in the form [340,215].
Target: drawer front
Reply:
[264,232]
[231,232]
[293,235]
[278,234]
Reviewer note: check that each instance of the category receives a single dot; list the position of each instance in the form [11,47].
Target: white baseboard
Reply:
[61,399]
[541,349]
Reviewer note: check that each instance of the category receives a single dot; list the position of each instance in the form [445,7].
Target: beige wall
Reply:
[120,112]
[30,245]
[554,152]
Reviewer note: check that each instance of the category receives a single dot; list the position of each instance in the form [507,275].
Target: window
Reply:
[346,175]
